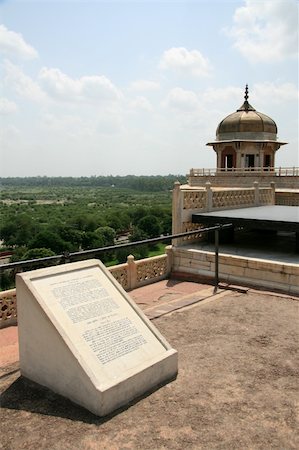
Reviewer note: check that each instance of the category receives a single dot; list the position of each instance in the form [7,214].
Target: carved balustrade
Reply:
[120,273]
[194,199]
[190,226]
[233,198]
[8,307]
[130,275]
[265,196]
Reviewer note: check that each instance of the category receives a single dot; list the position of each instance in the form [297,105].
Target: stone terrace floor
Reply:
[237,386]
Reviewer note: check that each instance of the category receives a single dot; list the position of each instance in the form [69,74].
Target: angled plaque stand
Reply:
[83,337]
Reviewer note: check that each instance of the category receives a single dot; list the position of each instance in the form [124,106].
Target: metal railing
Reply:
[67,257]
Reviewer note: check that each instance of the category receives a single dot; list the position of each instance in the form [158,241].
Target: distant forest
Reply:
[153,183]
[46,216]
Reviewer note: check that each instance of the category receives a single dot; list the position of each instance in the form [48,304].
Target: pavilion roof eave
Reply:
[262,141]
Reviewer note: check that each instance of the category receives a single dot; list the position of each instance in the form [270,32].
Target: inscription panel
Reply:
[98,321]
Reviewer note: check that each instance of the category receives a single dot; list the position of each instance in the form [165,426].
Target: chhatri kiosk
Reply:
[246,144]
[246,190]
[246,139]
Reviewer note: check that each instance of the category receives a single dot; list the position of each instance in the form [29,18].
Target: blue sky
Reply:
[99,88]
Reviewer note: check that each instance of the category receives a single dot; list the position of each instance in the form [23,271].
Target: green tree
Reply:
[50,240]
[36,253]
[18,230]
[71,235]
[84,222]
[90,240]
[7,280]
[118,220]
[107,234]
[150,225]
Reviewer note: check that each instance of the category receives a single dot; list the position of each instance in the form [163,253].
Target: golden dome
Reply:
[246,124]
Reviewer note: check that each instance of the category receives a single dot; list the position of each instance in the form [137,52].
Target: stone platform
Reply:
[236,388]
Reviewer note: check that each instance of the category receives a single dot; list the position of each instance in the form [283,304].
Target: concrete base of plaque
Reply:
[83,337]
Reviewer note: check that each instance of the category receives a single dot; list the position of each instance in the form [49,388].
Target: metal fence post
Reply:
[216,259]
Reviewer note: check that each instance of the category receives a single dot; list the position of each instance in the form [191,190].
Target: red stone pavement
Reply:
[155,299]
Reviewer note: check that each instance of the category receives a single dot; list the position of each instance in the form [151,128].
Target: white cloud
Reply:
[144,85]
[261,95]
[266,31]
[141,103]
[223,95]
[7,107]
[10,136]
[87,88]
[21,83]
[12,44]
[275,93]
[182,100]
[185,61]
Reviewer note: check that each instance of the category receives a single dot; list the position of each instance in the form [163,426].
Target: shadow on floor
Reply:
[26,395]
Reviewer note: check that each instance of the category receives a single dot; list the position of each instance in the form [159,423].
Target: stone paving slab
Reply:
[9,347]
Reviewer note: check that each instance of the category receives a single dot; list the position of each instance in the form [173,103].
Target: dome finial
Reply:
[246,93]
[246,105]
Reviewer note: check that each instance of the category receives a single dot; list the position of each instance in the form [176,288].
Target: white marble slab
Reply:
[82,336]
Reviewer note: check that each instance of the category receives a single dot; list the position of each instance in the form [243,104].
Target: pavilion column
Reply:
[238,159]
[262,157]
[218,152]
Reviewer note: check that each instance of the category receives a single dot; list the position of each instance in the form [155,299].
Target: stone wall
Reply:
[237,270]
[287,197]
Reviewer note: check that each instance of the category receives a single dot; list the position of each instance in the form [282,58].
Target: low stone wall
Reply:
[186,260]
[131,275]
[236,269]
[188,201]
[287,197]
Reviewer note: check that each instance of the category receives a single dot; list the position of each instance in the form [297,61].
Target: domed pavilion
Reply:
[246,139]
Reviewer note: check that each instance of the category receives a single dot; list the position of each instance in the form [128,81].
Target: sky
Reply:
[91,88]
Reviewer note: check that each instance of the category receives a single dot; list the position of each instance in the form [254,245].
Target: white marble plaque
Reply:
[97,323]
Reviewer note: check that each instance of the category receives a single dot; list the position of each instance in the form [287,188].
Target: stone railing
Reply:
[195,199]
[287,198]
[232,198]
[284,177]
[130,275]
[208,199]
[278,171]
[191,200]
[190,226]
[8,308]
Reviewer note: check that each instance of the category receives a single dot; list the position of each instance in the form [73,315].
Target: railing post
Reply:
[272,184]
[256,193]
[216,282]
[169,253]
[177,206]
[132,272]
[209,197]
[66,257]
